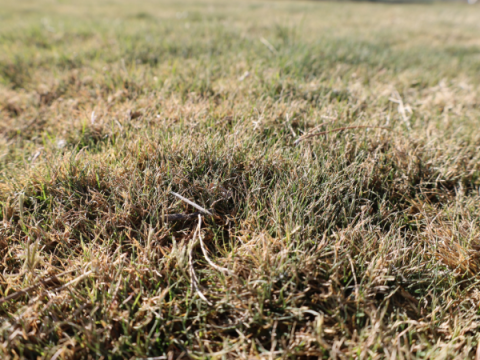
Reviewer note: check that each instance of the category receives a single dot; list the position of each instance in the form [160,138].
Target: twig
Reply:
[19,293]
[354,278]
[77,279]
[340,129]
[198,207]
[192,271]
[315,129]
[63,287]
[190,261]
[401,108]
[212,264]
[325,123]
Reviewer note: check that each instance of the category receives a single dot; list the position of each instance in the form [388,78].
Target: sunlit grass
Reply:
[361,243]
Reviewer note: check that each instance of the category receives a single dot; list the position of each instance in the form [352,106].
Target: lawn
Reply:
[226,179]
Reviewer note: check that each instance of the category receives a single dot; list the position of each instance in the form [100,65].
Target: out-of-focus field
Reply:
[359,243]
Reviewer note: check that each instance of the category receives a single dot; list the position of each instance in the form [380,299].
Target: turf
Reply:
[322,241]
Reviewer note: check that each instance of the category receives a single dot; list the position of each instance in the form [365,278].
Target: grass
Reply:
[354,244]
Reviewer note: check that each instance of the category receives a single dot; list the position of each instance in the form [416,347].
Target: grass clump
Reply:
[361,243]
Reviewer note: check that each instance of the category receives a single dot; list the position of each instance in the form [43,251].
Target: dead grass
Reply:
[361,243]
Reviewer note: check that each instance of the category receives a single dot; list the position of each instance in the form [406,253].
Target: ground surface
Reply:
[360,243]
